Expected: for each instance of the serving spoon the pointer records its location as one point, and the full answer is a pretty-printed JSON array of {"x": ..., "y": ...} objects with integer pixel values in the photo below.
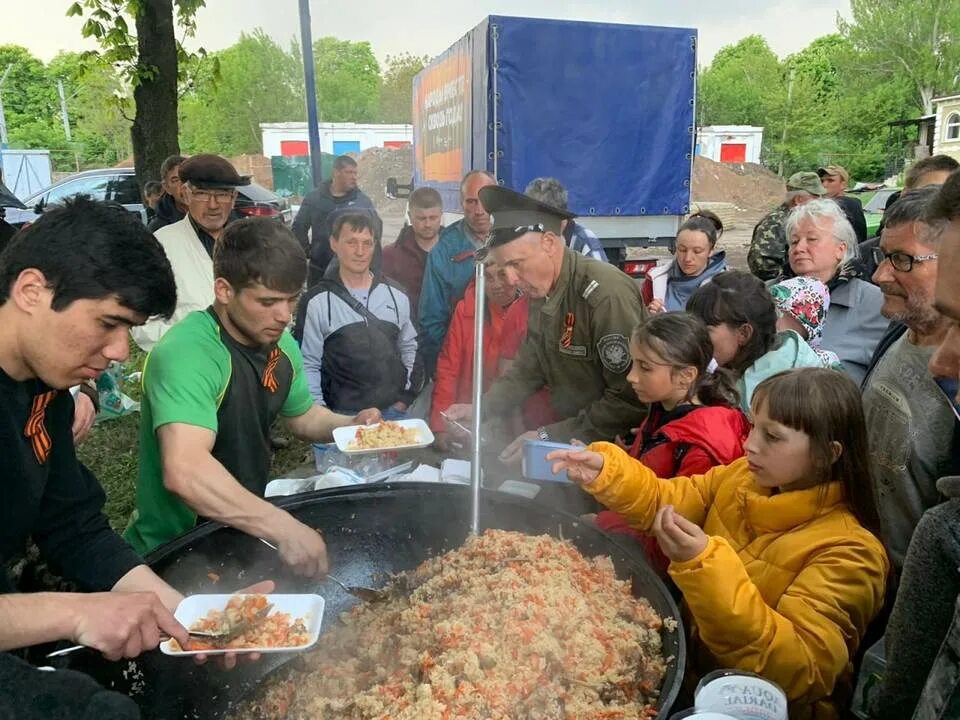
[{"x": 367, "y": 594}]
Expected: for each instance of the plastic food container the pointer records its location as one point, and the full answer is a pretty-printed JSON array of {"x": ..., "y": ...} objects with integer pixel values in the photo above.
[
  {"x": 741, "y": 695},
  {"x": 195, "y": 607},
  {"x": 344, "y": 437},
  {"x": 535, "y": 463}
]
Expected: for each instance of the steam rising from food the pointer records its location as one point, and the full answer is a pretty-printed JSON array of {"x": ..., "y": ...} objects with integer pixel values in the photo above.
[{"x": 508, "y": 626}]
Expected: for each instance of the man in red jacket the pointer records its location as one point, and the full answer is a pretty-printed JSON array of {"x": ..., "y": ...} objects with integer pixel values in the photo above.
[{"x": 404, "y": 260}]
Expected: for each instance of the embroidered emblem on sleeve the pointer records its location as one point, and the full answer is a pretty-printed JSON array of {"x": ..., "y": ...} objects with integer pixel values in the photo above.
[{"x": 614, "y": 351}]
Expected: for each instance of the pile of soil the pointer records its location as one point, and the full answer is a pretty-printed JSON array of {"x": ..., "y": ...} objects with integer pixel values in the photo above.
[
  {"x": 375, "y": 165},
  {"x": 747, "y": 185}
]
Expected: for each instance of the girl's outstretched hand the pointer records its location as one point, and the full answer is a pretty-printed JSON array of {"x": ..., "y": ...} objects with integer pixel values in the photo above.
[
  {"x": 582, "y": 466},
  {"x": 679, "y": 538}
]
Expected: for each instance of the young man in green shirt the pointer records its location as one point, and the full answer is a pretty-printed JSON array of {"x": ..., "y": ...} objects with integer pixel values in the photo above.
[{"x": 214, "y": 385}]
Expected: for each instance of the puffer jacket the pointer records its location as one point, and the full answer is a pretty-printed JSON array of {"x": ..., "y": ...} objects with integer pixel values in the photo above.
[
  {"x": 454, "y": 377},
  {"x": 786, "y": 586},
  {"x": 688, "y": 440}
]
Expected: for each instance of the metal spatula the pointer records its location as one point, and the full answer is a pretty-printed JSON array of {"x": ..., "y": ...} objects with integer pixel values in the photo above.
[{"x": 363, "y": 593}]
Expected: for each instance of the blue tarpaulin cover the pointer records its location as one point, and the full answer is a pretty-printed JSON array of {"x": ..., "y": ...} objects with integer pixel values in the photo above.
[{"x": 607, "y": 109}]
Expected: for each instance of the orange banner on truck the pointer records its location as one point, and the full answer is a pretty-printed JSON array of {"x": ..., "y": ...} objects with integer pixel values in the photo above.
[{"x": 441, "y": 117}]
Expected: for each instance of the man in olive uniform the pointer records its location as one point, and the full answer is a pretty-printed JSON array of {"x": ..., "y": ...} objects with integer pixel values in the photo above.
[
  {"x": 768, "y": 247},
  {"x": 582, "y": 313}
]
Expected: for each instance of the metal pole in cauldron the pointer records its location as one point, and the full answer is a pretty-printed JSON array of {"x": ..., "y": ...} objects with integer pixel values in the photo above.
[{"x": 475, "y": 473}]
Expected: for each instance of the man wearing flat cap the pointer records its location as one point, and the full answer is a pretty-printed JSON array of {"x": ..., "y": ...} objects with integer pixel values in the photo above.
[
  {"x": 582, "y": 313},
  {"x": 834, "y": 180},
  {"x": 209, "y": 189},
  {"x": 768, "y": 247}
]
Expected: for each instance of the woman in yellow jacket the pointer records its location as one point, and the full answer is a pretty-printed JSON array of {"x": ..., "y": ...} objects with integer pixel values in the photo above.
[{"x": 774, "y": 553}]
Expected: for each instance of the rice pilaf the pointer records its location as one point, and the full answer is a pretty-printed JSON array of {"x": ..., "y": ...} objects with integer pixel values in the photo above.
[{"x": 507, "y": 626}]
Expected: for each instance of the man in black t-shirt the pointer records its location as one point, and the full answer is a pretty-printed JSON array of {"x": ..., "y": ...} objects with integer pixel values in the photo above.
[{"x": 71, "y": 286}]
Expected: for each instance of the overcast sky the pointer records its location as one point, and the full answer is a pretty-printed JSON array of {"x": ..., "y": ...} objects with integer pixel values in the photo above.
[{"x": 429, "y": 26}]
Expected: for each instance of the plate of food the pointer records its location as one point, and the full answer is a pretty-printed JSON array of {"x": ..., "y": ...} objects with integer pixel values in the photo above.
[
  {"x": 386, "y": 435},
  {"x": 247, "y": 623}
]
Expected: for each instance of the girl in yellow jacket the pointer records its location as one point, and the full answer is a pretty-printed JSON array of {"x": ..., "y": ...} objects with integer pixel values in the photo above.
[{"x": 774, "y": 553}]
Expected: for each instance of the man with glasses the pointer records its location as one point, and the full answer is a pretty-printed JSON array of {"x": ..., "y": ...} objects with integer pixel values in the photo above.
[
  {"x": 910, "y": 421},
  {"x": 209, "y": 190}
]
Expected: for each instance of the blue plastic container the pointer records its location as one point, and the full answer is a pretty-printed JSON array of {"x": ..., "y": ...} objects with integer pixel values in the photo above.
[{"x": 535, "y": 463}]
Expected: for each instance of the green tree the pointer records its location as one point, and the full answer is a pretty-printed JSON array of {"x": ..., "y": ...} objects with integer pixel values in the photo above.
[
  {"x": 150, "y": 58},
  {"x": 396, "y": 93},
  {"x": 917, "y": 40},
  {"x": 258, "y": 82},
  {"x": 98, "y": 106},
  {"x": 348, "y": 80},
  {"x": 742, "y": 86},
  {"x": 27, "y": 94}
]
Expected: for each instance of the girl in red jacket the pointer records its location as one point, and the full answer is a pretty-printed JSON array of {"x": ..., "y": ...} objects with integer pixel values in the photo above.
[
  {"x": 694, "y": 422},
  {"x": 453, "y": 380}
]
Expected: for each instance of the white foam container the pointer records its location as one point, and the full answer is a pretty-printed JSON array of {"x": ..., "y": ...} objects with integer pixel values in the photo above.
[
  {"x": 195, "y": 607},
  {"x": 343, "y": 436}
]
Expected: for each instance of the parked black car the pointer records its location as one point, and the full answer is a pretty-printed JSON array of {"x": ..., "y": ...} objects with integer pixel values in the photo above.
[{"x": 119, "y": 185}]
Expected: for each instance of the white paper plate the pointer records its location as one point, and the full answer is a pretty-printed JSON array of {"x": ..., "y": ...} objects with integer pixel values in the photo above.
[
  {"x": 343, "y": 436},
  {"x": 195, "y": 607}
]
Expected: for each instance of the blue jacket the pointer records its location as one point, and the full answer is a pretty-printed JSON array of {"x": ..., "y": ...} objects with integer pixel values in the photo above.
[
  {"x": 450, "y": 266},
  {"x": 583, "y": 241}
]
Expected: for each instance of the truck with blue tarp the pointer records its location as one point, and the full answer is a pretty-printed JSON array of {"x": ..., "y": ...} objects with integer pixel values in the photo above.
[{"x": 607, "y": 109}]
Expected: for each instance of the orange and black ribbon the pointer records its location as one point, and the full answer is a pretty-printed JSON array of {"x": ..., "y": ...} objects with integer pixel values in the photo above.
[
  {"x": 269, "y": 372},
  {"x": 567, "y": 338},
  {"x": 36, "y": 430}
]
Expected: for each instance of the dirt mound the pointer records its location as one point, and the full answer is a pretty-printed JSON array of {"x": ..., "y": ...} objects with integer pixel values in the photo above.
[
  {"x": 746, "y": 185},
  {"x": 375, "y": 165}
]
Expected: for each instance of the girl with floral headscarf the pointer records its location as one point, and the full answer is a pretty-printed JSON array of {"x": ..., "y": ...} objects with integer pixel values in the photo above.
[{"x": 802, "y": 305}]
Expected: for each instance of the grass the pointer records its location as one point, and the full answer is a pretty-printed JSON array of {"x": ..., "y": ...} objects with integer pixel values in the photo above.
[{"x": 111, "y": 452}]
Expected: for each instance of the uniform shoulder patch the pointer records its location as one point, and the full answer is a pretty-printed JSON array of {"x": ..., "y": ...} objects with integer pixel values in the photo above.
[
  {"x": 614, "y": 351},
  {"x": 593, "y": 285}
]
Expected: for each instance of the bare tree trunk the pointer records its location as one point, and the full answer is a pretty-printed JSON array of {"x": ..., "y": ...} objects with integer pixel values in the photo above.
[{"x": 155, "y": 132}]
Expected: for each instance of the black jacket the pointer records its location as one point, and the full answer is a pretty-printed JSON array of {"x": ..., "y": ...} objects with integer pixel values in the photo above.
[
  {"x": 853, "y": 209},
  {"x": 167, "y": 213},
  {"x": 55, "y": 501},
  {"x": 317, "y": 214}
]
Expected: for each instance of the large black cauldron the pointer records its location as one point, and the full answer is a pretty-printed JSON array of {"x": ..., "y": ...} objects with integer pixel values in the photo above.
[{"x": 370, "y": 532}]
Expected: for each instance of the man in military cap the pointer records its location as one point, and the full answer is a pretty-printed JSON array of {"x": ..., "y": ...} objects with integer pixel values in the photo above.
[
  {"x": 834, "y": 179},
  {"x": 582, "y": 312},
  {"x": 209, "y": 190},
  {"x": 768, "y": 248}
]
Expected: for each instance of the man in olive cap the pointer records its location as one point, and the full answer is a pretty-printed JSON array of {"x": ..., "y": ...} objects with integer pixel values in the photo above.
[
  {"x": 834, "y": 179},
  {"x": 582, "y": 313},
  {"x": 209, "y": 190},
  {"x": 768, "y": 247}
]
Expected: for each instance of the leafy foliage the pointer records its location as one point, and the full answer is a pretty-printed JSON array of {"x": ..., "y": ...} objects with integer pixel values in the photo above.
[
  {"x": 348, "y": 80},
  {"x": 832, "y": 101},
  {"x": 396, "y": 97},
  {"x": 917, "y": 41},
  {"x": 258, "y": 82}
]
